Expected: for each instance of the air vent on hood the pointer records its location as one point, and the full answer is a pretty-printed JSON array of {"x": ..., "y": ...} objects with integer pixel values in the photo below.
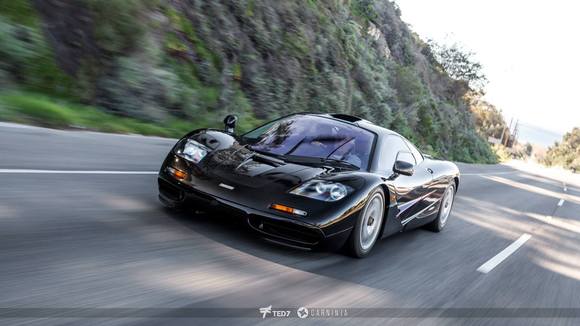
[{"x": 346, "y": 117}]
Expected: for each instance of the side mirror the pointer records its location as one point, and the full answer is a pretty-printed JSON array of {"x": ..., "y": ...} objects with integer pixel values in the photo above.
[
  {"x": 404, "y": 168},
  {"x": 403, "y": 163},
  {"x": 230, "y": 123}
]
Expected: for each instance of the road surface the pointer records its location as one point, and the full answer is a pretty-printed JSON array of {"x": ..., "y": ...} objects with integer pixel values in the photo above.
[{"x": 97, "y": 248}]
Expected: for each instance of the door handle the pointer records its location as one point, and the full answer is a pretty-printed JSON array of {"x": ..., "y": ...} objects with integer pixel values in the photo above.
[{"x": 429, "y": 170}]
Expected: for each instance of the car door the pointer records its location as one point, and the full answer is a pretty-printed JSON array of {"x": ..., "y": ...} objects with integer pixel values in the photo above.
[
  {"x": 412, "y": 191},
  {"x": 430, "y": 191}
]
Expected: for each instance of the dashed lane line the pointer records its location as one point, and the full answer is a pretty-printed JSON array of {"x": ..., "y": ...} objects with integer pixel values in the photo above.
[{"x": 489, "y": 265}]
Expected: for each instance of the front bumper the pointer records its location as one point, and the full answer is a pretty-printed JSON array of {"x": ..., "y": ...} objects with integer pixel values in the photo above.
[{"x": 275, "y": 228}]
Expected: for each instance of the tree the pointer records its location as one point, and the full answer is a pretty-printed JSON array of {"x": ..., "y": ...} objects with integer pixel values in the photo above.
[
  {"x": 459, "y": 64},
  {"x": 529, "y": 149},
  {"x": 566, "y": 153},
  {"x": 488, "y": 119}
]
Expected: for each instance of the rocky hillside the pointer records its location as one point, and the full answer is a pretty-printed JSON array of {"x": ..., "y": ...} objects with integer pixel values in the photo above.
[{"x": 196, "y": 60}]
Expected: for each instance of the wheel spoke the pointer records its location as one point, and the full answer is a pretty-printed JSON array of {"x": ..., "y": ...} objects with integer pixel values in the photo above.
[
  {"x": 447, "y": 202},
  {"x": 371, "y": 221}
]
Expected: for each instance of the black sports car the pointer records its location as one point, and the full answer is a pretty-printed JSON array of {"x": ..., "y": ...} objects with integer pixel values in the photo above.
[{"x": 312, "y": 180}]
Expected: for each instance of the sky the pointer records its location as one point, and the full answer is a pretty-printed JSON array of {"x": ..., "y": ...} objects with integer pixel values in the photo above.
[{"x": 530, "y": 51}]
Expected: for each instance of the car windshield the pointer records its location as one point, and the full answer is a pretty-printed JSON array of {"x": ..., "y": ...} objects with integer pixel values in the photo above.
[{"x": 313, "y": 137}]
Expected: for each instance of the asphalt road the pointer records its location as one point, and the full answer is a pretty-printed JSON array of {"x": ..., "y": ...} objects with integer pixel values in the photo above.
[{"x": 91, "y": 245}]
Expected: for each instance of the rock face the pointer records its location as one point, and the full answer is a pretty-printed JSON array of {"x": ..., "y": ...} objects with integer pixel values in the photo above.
[
  {"x": 68, "y": 26},
  {"x": 199, "y": 59}
]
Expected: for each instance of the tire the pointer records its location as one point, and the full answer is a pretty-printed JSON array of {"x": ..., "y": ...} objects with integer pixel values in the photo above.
[
  {"x": 444, "y": 210},
  {"x": 362, "y": 240}
]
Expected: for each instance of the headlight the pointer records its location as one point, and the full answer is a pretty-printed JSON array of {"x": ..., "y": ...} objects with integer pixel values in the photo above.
[
  {"x": 192, "y": 151},
  {"x": 322, "y": 190}
]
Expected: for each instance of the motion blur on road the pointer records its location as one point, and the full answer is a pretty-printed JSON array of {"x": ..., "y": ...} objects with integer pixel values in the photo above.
[
  {"x": 83, "y": 236},
  {"x": 85, "y": 240}
]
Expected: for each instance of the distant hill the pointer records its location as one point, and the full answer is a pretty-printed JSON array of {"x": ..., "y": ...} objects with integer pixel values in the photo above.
[{"x": 528, "y": 133}]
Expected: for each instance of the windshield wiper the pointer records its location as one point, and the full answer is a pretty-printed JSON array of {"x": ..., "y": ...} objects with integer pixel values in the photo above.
[
  {"x": 341, "y": 163},
  {"x": 263, "y": 152},
  {"x": 318, "y": 161}
]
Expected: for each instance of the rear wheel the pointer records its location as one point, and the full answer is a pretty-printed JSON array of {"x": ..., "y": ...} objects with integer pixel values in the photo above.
[
  {"x": 368, "y": 226},
  {"x": 444, "y": 210}
]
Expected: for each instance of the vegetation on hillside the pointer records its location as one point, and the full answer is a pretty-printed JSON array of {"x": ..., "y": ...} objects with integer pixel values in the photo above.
[
  {"x": 488, "y": 119},
  {"x": 179, "y": 64},
  {"x": 566, "y": 153},
  {"x": 460, "y": 64}
]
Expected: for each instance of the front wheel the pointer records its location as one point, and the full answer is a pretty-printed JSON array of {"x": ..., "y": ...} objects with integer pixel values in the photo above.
[
  {"x": 444, "y": 210},
  {"x": 368, "y": 226}
]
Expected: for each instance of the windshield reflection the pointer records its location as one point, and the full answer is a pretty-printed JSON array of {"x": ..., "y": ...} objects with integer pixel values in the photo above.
[{"x": 313, "y": 137}]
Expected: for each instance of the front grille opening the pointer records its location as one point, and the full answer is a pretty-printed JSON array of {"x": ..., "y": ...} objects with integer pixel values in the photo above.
[
  {"x": 285, "y": 230},
  {"x": 170, "y": 191},
  {"x": 202, "y": 196}
]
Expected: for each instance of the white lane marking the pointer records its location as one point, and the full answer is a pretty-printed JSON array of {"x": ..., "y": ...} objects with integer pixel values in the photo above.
[
  {"x": 24, "y": 171},
  {"x": 489, "y": 265},
  {"x": 561, "y": 202},
  {"x": 489, "y": 173},
  {"x": 80, "y": 131},
  {"x": 565, "y": 187},
  {"x": 16, "y": 125}
]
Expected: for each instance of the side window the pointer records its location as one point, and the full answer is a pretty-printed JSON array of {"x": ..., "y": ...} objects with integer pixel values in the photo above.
[
  {"x": 418, "y": 156},
  {"x": 390, "y": 147}
]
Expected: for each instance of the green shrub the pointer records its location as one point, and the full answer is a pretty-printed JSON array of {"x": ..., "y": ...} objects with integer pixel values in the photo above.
[
  {"x": 119, "y": 24},
  {"x": 38, "y": 109},
  {"x": 566, "y": 153},
  {"x": 46, "y": 111},
  {"x": 140, "y": 90},
  {"x": 364, "y": 9},
  {"x": 410, "y": 88},
  {"x": 19, "y": 11},
  {"x": 26, "y": 57}
]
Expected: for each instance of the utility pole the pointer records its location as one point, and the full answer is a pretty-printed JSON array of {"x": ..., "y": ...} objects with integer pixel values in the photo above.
[
  {"x": 516, "y": 130},
  {"x": 503, "y": 133}
]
